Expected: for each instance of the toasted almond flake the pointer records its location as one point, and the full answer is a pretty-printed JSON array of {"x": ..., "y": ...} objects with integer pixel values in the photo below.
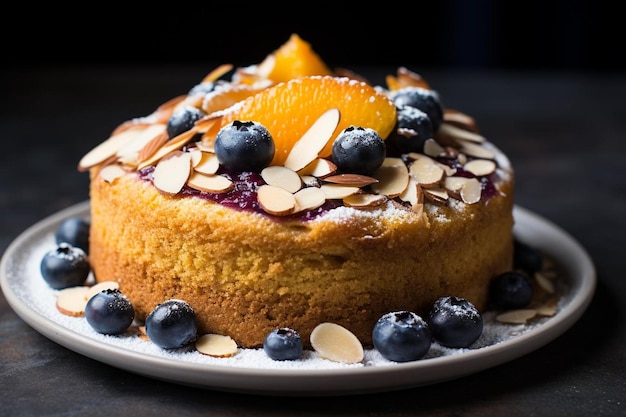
[
  {"x": 432, "y": 148},
  {"x": 111, "y": 172},
  {"x": 308, "y": 147},
  {"x": 196, "y": 156},
  {"x": 309, "y": 198},
  {"x": 478, "y": 151},
  {"x": 217, "y": 73},
  {"x": 480, "y": 167},
  {"x": 172, "y": 145},
  {"x": 455, "y": 184},
  {"x": 163, "y": 113},
  {"x": 392, "y": 176},
  {"x": 426, "y": 171},
  {"x": 520, "y": 316},
  {"x": 205, "y": 146},
  {"x": 436, "y": 195},
  {"x": 282, "y": 177},
  {"x": 151, "y": 147},
  {"x": 460, "y": 120},
  {"x": 209, "y": 183},
  {"x": 364, "y": 200},
  {"x": 338, "y": 191},
  {"x": 129, "y": 153},
  {"x": 109, "y": 147},
  {"x": 548, "y": 309},
  {"x": 453, "y": 134},
  {"x": 310, "y": 180},
  {"x": 208, "y": 164},
  {"x": 216, "y": 345},
  {"x": 544, "y": 282},
  {"x": 276, "y": 200},
  {"x": 471, "y": 191},
  {"x": 142, "y": 334},
  {"x": 406, "y": 78},
  {"x": 413, "y": 193},
  {"x": 71, "y": 301},
  {"x": 351, "y": 179},
  {"x": 172, "y": 172},
  {"x": 101, "y": 286},
  {"x": 320, "y": 168},
  {"x": 336, "y": 343}
]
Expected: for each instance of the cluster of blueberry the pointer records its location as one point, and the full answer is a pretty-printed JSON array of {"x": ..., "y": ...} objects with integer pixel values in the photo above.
[{"x": 398, "y": 336}]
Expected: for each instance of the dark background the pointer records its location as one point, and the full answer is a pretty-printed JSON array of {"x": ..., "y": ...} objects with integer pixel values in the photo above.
[{"x": 577, "y": 35}]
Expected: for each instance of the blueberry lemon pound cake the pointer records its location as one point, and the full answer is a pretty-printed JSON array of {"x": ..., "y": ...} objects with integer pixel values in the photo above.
[{"x": 287, "y": 194}]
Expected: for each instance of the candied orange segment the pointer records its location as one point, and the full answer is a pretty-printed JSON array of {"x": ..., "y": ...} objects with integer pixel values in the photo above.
[
  {"x": 289, "y": 109},
  {"x": 294, "y": 59}
]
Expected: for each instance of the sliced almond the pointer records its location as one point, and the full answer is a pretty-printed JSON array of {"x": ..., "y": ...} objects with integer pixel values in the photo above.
[
  {"x": 351, "y": 179},
  {"x": 72, "y": 301},
  {"x": 471, "y": 191},
  {"x": 209, "y": 183},
  {"x": 111, "y": 172},
  {"x": 426, "y": 171},
  {"x": 476, "y": 150},
  {"x": 208, "y": 164},
  {"x": 109, "y": 147},
  {"x": 544, "y": 283},
  {"x": 455, "y": 184},
  {"x": 308, "y": 147},
  {"x": 364, "y": 200},
  {"x": 196, "y": 156},
  {"x": 450, "y": 133},
  {"x": 480, "y": 167},
  {"x": 276, "y": 200},
  {"x": 142, "y": 334},
  {"x": 336, "y": 343},
  {"x": 520, "y": 316},
  {"x": 172, "y": 145},
  {"x": 413, "y": 193},
  {"x": 320, "y": 168},
  {"x": 392, "y": 176},
  {"x": 309, "y": 198},
  {"x": 433, "y": 148},
  {"x": 282, "y": 177},
  {"x": 152, "y": 146},
  {"x": 129, "y": 153},
  {"x": 437, "y": 195},
  {"x": 172, "y": 172},
  {"x": 216, "y": 345},
  {"x": 101, "y": 286},
  {"x": 549, "y": 308},
  {"x": 310, "y": 181},
  {"x": 217, "y": 73},
  {"x": 460, "y": 119},
  {"x": 338, "y": 191}
]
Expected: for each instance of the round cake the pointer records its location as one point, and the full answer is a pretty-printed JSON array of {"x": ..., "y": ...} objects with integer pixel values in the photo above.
[{"x": 315, "y": 224}]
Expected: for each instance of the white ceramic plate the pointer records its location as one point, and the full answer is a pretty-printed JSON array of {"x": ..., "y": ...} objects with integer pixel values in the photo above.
[{"x": 33, "y": 301}]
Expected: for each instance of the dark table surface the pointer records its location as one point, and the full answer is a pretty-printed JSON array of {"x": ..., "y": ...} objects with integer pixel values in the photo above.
[{"x": 564, "y": 132}]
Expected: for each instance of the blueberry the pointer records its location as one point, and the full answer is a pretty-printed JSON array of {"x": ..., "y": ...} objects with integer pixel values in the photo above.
[
  {"x": 401, "y": 336},
  {"x": 412, "y": 129},
  {"x": 75, "y": 231},
  {"x": 424, "y": 99},
  {"x": 283, "y": 344},
  {"x": 172, "y": 324},
  {"x": 510, "y": 290},
  {"x": 527, "y": 258},
  {"x": 65, "y": 266},
  {"x": 109, "y": 312},
  {"x": 358, "y": 150},
  {"x": 244, "y": 146},
  {"x": 455, "y": 322},
  {"x": 182, "y": 120}
]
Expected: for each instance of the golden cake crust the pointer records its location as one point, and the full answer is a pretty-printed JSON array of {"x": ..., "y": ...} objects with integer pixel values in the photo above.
[{"x": 246, "y": 274}]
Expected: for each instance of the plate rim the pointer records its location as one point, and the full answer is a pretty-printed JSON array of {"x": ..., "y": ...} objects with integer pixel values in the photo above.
[{"x": 322, "y": 382}]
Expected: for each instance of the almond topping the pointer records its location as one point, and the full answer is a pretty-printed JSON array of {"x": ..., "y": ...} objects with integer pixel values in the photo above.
[
  {"x": 471, "y": 191},
  {"x": 309, "y": 198},
  {"x": 151, "y": 147},
  {"x": 338, "y": 191},
  {"x": 172, "y": 172},
  {"x": 308, "y": 147},
  {"x": 196, "y": 156},
  {"x": 544, "y": 282},
  {"x": 129, "y": 153},
  {"x": 460, "y": 119},
  {"x": 217, "y": 73},
  {"x": 436, "y": 195},
  {"x": 72, "y": 301},
  {"x": 364, "y": 200},
  {"x": 480, "y": 167},
  {"x": 276, "y": 200},
  {"x": 351, "y": 179},
  {"x": 392, "y": 176},
  {"x": 111, "y": 172},
  {"x": 209, "y": 183},
  {"x": 413, "y": 193},
  {"x": 434, "y": 149},
  {"x": 473, "y": 149},
  {"x": 426, "y": 171},
  {"x": 336, "y": 343},
  {"x": 109, "y": 147},
  {"x": 216, "y": 345},
  {"x": 173, "y": 144},
  {"x": 454, "y": 134},
  {"x": 319, "y": 168},
  {"x": 282, "y": 177},
  {"x": 208, "y": 164},
  {"x": 520, "y": 316}
]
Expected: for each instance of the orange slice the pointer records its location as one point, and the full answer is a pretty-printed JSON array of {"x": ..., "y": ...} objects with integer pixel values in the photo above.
[
  {"x": 289, "y": 109},
  {"x": 294, "y": 59}
]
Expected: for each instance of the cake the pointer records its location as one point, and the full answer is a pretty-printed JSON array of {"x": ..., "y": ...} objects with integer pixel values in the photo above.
[{"x": 307, "y": 236}]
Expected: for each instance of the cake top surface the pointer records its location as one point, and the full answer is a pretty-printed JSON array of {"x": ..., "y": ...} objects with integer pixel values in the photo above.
[{"x": 301, "y": 139}]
